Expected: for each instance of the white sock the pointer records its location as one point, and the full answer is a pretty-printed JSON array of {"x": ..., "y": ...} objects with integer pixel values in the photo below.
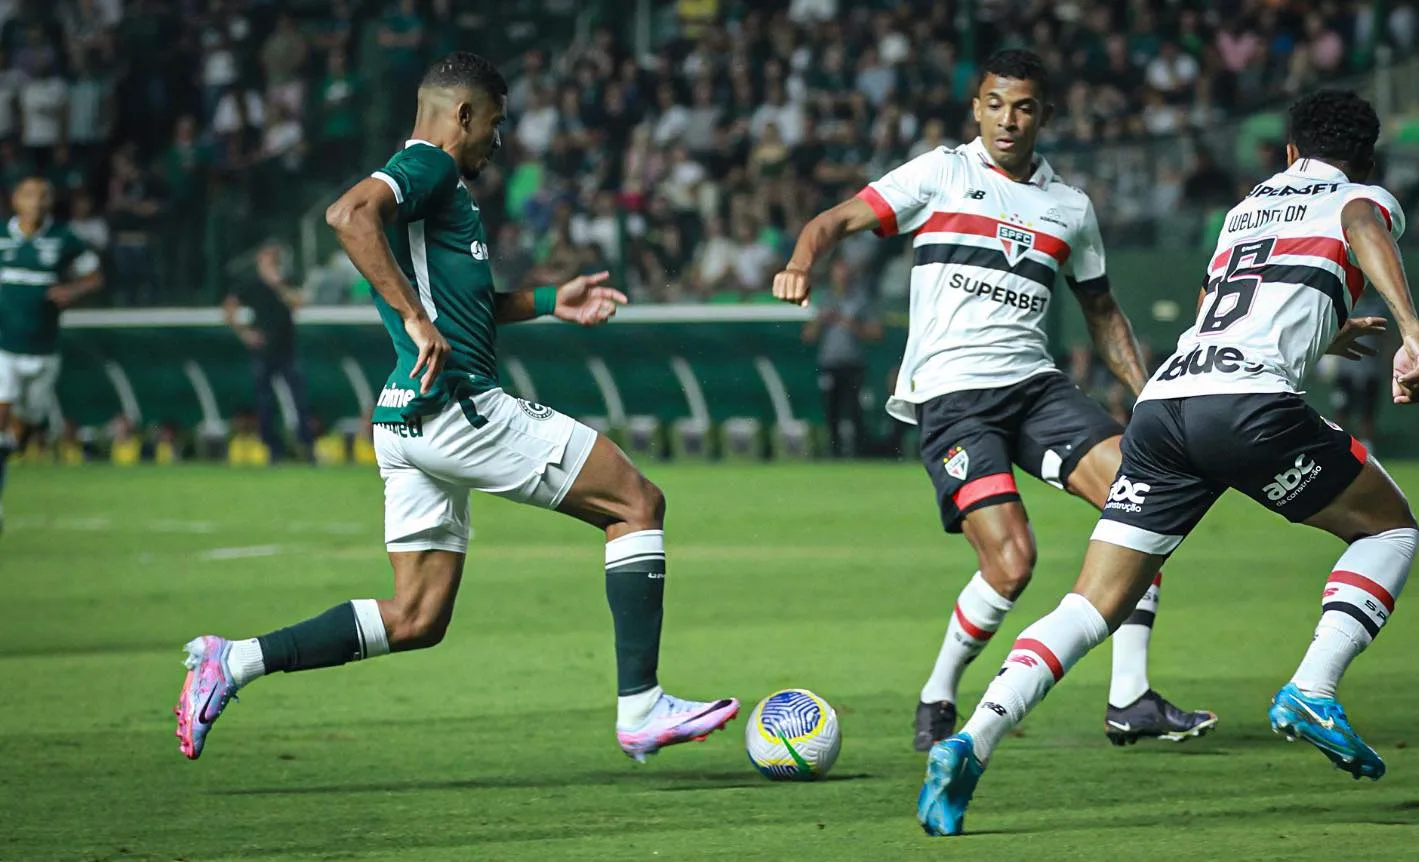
[
  {"x": 1041, "y": 656},
  {"x": 1358, "y": 599},
  {"x": 1129, "y": 680},
  {"x": 244, "y": 661},
  {"x": 374, "y": 640},
  {"x": 978, "y": 614},
  {"x": 633, "y": 709}
]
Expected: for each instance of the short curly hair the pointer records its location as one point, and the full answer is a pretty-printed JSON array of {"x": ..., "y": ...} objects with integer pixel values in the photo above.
[
  {"x": 1021, "y": 64},
  {"x": 464, "y": 69},
  {"x": 1337, "y": 126}
]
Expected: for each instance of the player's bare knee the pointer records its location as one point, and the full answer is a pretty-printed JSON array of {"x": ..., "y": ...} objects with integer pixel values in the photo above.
[
  {"x": 411, "y": 626},
  {"x": 1010, "y": 565},
  {"x": 645, "y": 506}
]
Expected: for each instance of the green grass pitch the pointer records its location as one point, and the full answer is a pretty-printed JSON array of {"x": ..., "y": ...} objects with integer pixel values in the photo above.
[{"x": 498, "y": 744}]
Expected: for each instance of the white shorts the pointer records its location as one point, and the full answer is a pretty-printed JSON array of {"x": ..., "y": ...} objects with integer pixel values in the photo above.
[
  {"x": 524, "y": 452},
  {"x": 27, "y": 384}
]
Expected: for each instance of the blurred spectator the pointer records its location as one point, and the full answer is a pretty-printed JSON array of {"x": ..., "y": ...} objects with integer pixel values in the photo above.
[
  {"x": 87, "y": 224},
  {"x": 537, "y": 126},
  {"x": 842, "y": 322},
  {"x": 335, "y": 32},
  {"x": 1208, "y": 185},
  {"x": 1172, "y": 73},
  {"x": 338, "y": 112},
  {"x": 270, "y": 338},
  {"x": 132, "y": 209},
  {"x": 1360, "y": 384},
  {"x": 11, "y": 80},
  {"x": 44, "y": 110},
  {"x": 91, "y": 106},
  {"x": 66, "y": 175},
  {"x": 282, "y": 58},
  {"x": 401, "y": 35}
]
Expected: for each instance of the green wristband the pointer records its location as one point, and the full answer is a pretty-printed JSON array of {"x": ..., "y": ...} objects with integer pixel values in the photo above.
[{"x": 544, "y": 301}]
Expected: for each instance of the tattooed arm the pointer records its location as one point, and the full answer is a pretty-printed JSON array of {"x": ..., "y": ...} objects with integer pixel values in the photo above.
[{"x": 1111, "y": 332}]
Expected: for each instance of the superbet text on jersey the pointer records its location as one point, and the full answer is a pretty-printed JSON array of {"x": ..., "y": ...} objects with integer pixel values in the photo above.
[
  {"x": 1280, "y": 285},
  {"x": 988, "y": 253}
]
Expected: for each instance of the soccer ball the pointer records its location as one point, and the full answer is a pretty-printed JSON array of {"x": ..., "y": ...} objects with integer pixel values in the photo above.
[{"x": 793, "y": 735}]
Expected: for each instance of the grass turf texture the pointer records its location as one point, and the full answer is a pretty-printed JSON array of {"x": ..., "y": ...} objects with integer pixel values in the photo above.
[{"x": 498, "y": 744}]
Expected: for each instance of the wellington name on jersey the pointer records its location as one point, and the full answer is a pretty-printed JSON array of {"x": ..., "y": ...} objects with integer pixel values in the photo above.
[
  {"x": 988, "y": 254},
  {"x": 1280, "y": 285}
]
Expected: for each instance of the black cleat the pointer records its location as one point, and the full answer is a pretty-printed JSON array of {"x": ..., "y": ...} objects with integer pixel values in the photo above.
[
  {"x": 1152, "y": 717},
  {"x": 934, "y": 722}
]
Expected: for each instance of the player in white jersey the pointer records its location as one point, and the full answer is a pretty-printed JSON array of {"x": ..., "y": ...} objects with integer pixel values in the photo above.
[
  {"x": 994, "y": 228},
  {"x": 1225, "y": 412}
]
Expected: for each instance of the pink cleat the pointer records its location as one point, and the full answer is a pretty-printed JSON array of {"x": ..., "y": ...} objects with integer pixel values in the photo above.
[
  {"x": 673, "y": 721},
  {"x": 208, "y": 689}
]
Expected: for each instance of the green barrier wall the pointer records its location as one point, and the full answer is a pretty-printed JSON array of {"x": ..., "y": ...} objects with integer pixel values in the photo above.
[{"x": 719, "y": 350}]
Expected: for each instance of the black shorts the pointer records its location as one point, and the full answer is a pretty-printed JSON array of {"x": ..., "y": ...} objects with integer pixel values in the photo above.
[
  {"x": 1180, "y": 454},
  {"x": 971, "y": 439}
]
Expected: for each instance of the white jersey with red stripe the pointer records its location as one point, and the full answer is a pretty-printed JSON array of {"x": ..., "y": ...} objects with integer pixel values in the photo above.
[
  {"x": 988, "y": 253},
  {"x": 1280, "y": 285}
]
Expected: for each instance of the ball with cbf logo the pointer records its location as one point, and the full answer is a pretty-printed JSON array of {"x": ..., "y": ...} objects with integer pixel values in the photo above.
[{"x": 793, "y": 735}]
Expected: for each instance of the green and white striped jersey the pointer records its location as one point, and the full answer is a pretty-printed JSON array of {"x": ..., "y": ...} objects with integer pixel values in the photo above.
[
  {"x": 438, "y": 241},
  {"x": 29, "y": 267}
]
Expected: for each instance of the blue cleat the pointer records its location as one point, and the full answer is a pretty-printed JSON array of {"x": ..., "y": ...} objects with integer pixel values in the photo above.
[
  {"x": 1321, "y": 721},
  {"x": 952, "y": 772}
]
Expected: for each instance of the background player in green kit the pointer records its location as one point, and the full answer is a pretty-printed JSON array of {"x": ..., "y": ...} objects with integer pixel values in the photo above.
[
  {"x": 44, "y": 268},
  {"x": 443, "y": 426}
]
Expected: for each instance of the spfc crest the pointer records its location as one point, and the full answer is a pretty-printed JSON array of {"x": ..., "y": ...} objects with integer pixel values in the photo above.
[
  {"x": 1015, "y": 241},
  {"x": 957, "y": 463}
]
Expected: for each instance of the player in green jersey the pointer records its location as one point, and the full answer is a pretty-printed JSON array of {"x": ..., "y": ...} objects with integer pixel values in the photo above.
[
  {"x": 44, "y": 268},
  {"x": 444, "y": 426}
]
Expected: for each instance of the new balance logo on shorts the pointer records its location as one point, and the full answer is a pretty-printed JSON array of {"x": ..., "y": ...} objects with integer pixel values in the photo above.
[
  {"x": 1127, "y": 496},
  {"x": 1292, "y": 482}
]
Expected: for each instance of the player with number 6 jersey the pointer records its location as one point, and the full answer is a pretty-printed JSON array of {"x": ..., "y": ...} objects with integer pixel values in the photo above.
[
  {"x": 1225, "y": 411},
  {"x": 994, "y": 229}
]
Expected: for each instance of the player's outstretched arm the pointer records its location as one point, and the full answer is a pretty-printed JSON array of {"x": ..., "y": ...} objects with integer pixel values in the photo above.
[
  {"x": 586, "y": 300},
  {"x": 1368, "y": 234},
  {"x": 824, "y": 231},
  {"x": 358, "y": 219},
  {"x": 1111, "y": 332}
]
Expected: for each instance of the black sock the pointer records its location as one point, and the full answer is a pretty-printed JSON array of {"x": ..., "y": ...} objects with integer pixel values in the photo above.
[
  {"x": 635, "y": 589},
  {"x": 330, "y": 639}
]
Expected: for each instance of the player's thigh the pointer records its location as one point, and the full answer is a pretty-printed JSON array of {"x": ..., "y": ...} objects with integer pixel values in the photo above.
[
  {"x": 1160, "y": 493},
  {"x": 505, "y": 446},
  {"x": 422, "y": 511},
  {"x": 11, "y": 380},
  {"x": 966, "y": 451},
  {"x": 611, "y": 493},
  {"x": 1065, "y": 437},
  {"x": 1372, "y": 503},
  {"x": 1278, "y": 450},
  {"x": 37, "y": 389}
]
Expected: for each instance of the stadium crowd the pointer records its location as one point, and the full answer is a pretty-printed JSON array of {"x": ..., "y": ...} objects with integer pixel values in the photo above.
[{"x": 690, "y": 166}]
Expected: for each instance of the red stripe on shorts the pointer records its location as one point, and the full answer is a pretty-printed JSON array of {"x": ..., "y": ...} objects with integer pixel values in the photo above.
[
  {"x": 1363, "y": 583},
  {"x": 1358, "y": 450},
  {"x": 986, "y": 486}
]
